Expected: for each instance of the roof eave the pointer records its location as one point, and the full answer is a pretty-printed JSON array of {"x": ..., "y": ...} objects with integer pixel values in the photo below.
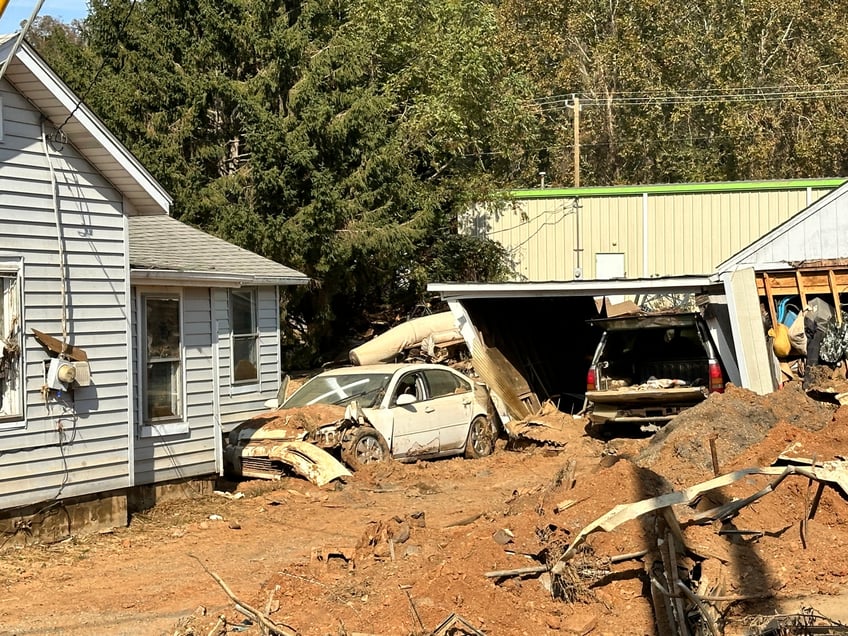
[
  {"x": 92, "y": 125},
  {"x": 179, "y": 278},
  {"x": 679, "y": 284}
]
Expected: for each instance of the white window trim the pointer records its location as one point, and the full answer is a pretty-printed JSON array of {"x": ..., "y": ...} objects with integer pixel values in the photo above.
[
  {"x": 15, "y": 266},
  {"x": 178, "y": 425},
  {"x": 240, "y": 387},
  {"x": 2, "y": 118}
]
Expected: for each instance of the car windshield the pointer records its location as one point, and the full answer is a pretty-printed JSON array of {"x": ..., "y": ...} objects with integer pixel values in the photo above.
[{"x": 341, "y": 389}]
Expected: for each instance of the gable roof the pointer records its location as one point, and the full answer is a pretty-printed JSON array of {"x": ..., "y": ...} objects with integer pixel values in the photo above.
[
  {"x": 39, "y": 84},
  {"x": 818, "y": 232},
  {"x": 162, "y": 249}
]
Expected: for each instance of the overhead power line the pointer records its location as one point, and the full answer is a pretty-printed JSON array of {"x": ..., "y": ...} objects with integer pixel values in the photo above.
[{"x": 698, "y": 96}]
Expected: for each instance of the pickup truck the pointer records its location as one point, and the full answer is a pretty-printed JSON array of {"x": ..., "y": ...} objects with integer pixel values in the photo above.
[{"x": 648, "y": 368}]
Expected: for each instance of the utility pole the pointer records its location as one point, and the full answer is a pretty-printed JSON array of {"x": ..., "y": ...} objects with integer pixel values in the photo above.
[
  {"x": 576, "y": 141},
  {"x": 578, "y": 249}
]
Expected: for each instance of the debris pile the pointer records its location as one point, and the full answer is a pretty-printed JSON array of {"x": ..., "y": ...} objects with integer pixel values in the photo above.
[{"x": 655, "y": 535}]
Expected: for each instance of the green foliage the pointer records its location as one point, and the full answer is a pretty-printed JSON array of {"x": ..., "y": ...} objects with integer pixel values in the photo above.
[
  {"x": 339, "y": 138},
  {"x": 609, "y": 51},
  {"x": 344, "y": 138}
]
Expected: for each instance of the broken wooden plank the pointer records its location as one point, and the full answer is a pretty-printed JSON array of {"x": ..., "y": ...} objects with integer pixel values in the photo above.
[
  {"x": 498, "y": 574},
  {"x": 834, "y": 473},
  {"x": 834, "y": 289},
  {"x": 769, "y": 298},
  {"x": 58, "y": 347},
  {"x": 799, "y": 283}
]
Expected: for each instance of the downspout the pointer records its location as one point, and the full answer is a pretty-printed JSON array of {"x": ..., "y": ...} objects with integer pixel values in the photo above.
[
  {"x": 646, "y": 240},
  {"x": 54, "y": 188}
]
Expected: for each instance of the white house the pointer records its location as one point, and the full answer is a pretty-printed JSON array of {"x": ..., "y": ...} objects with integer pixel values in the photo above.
[{"x": 178, "y": 330}]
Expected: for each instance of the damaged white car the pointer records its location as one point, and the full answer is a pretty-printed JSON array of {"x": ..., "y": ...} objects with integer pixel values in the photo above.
[{"x": 367, "y": 414}]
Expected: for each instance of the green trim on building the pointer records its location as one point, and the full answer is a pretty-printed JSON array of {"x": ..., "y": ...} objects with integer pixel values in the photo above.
[{"x": 679, "y": 188}]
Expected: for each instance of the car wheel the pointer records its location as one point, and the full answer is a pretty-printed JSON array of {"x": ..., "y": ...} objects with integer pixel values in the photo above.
[
  {"x": 481, "y": 438},
  {"x": 365, "y": 446}
]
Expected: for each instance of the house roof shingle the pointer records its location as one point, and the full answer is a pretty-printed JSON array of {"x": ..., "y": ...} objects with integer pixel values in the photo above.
[{"x": 164, "y": 244}]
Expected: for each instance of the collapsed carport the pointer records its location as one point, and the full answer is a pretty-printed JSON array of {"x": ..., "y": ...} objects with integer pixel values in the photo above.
[{"x": 532, "y": 341}]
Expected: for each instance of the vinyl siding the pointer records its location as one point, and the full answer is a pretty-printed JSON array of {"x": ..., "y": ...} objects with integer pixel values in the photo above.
[
  {"x": 240, "y": 401},
  {"x": 37, "y": 462},
  {"x": 189, "y": 454}
]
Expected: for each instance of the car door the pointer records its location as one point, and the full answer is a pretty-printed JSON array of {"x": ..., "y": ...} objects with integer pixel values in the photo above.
[
  {"x": 414, "y": 432},
  {"x": 449, "y": 406}
]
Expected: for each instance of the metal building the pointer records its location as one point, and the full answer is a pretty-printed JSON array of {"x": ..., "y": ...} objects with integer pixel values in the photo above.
[{"x": 637, "y": 231}]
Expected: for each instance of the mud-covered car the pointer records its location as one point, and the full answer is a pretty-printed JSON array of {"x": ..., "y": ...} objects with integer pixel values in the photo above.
[{"x": 367, "y": 414}]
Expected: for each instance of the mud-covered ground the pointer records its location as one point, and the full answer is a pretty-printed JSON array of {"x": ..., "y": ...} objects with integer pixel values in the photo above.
[{"x": 399, "y": 548}]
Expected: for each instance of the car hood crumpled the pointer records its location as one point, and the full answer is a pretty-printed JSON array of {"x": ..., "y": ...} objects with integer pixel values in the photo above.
[{"x": 289, "y": 424}]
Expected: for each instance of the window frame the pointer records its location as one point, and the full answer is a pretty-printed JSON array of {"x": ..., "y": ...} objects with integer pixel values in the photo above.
[
  {"x": 253, "y": 335},
  {"x": 163, "y": 425},
  {"x": 12, "y": 268}
]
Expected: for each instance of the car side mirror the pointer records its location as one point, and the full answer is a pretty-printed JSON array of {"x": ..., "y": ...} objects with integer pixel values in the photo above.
[
  {"x": 277, "y": 402},
  {"x": 405, "y": 398}
]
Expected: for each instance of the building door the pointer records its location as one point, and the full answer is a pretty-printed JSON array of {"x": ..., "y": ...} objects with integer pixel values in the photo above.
[{"x": 609, "y": 265}]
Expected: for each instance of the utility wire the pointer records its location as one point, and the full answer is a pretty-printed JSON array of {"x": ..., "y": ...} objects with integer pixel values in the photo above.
[
  {"x": 699, "y": 96},
  {"x": 100, "y": 68}
]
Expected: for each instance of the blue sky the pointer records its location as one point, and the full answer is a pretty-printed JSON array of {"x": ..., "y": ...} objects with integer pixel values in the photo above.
[{"x": 19, "y": 10}]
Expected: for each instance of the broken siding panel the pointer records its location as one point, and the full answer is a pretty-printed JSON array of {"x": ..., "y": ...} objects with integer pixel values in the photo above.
[{"x": 28, "y": 231}]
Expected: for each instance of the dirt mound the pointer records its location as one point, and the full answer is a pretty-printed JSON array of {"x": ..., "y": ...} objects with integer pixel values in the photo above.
[
  {"x": 738, "y": 419},
  {"x": 304, "y": 418},
  {"x": 398, "y": 548}
]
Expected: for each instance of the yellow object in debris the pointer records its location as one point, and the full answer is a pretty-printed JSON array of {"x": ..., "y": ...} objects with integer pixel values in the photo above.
[{"x": 781, "y": 344}]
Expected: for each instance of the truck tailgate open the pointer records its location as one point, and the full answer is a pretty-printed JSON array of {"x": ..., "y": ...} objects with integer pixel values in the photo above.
[{"x": 689, "y": 394}]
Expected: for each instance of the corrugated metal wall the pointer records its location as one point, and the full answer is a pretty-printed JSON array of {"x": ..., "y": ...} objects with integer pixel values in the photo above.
[{"x": 659, "y": 233}]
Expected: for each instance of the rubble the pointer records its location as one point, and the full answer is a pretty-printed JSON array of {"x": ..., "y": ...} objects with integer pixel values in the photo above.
[{"x": 737, "y": 556}]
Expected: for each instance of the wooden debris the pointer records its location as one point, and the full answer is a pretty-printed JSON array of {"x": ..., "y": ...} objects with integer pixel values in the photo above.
[
  {"x": 414, "y": 610},
  {"x": 834, "y": 473},
  {"x": 58, "y": 347},
  {"x": 456, "y": 625},
  {"x": 499, "y": 574},
  {"x": 268, "y": 625},
  {"x": 466, "y": 521}
]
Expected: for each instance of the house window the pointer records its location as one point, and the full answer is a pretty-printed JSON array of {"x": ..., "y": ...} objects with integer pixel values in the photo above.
[
  {"x": 245, "y": 334},
  {"x": 10, "y": 346},
  {"x": 163, "y": 383}
]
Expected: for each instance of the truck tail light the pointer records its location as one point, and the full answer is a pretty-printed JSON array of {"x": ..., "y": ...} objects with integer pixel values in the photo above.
[
  {"x": 590, "y": 379},
  {"x": 716, "y": 378}
]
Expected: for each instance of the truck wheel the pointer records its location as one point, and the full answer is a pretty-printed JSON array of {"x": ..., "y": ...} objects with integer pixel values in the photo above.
[
  {"x": 481, "y": 438},
  {"x": 365, "y": 446}
]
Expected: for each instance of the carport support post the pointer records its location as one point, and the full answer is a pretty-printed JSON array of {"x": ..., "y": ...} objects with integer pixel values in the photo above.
[{"x": 752, "y": 353}]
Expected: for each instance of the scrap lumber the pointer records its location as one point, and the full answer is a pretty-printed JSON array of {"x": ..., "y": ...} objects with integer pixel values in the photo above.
[
  {"x": 268, "y": 625},
  {"x": 58, "y": 347}
]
